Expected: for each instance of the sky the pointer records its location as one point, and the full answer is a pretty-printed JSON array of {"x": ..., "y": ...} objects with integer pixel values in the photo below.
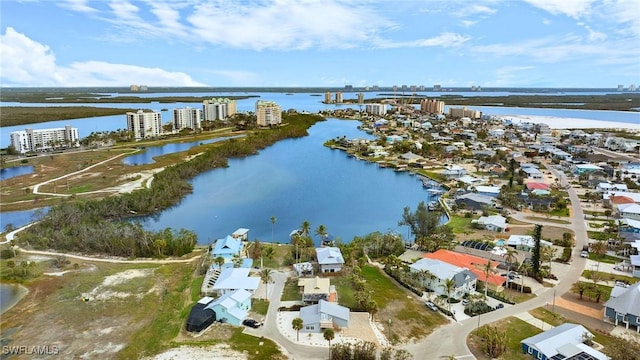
[{"x": 325, "y": 43}]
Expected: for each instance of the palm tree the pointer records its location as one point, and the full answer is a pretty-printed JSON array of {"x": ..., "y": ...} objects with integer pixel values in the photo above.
[
  {"x": 448, "y": 286},
  {"x": 219, "y": 261},
  {"x": 525, "y": 268},
  {"x": 265, "y": 276},
  {"x": 273, "y": 225},
  {"x": 509, "y": 257},
  {"x": 599, "y": 248},
  {"x": 580, "y": 287},
  {"x": 305, "y": 229},
  {"x": 328, "y": 335},
  {"x": 297, "y": 325},
  {"x": 322, "y": 232},
  {"x": 487, "y": 269}
]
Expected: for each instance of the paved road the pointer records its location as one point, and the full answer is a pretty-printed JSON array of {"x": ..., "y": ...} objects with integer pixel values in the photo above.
[
  {"x": 270, "y": 328},
  {"x": 451, "y": 339}
]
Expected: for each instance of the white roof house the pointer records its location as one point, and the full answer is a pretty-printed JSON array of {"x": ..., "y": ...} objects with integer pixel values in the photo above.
[
  {"x": 231, "y": 279},
  {"x": 565, "y": 340},
  {"x": 465, "y": 280},
  {"x": 496, "y": 223},
  {"x": 329, "y": 259},
  {"x": 524, "y": 242}
]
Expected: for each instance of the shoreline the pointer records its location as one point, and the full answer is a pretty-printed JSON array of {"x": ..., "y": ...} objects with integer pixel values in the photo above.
[{"x": 23, "y": 291}]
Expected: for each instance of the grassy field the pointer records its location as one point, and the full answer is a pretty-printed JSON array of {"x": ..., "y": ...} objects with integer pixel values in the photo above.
[
  {"x": 611, "y": 277},
  {"x": 460, "y": 224},
  {"x": 515, "y": 329},
  {"x": 410, "y": 318},
  {"x": 260, "y": 306},
  {"x": 588, "y": 294},
  {"x": 547, "y": 219},
  {"x": 14, "y": 115},
  {"x": 290, "y": 291}
]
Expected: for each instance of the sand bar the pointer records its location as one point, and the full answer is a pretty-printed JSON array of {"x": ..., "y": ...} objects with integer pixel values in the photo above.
[{"x": 571, "y": 123}]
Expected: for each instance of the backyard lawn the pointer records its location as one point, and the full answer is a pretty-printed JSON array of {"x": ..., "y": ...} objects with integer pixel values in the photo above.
[{"x": 516, "y": 331}]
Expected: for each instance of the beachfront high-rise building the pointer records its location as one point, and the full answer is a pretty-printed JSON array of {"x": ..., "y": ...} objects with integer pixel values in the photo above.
[
  {"x": 339, "y": 97},
  {"x": 30, "y": 140},
  {"x": 620, "y": 87},
  {"x": 187, "y": 118},
  {"x": 218, "y": 109},
  {"x": 327, "y": 97},
  {"x": 432, "y": 106},
  {"x": 458, "y": 113},
  {"x": 268, "y": 113},
  {"x": 144, "y": 124},
  {"x": 376, "y": 109},
  {"x": 360, "y": 98}
]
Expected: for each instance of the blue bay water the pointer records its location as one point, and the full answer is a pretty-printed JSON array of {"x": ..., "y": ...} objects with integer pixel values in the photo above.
[{"x": 296, "y": 180}]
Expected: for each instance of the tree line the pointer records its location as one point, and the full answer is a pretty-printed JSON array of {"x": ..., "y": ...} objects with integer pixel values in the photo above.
[{"x": 102, "y": 226}]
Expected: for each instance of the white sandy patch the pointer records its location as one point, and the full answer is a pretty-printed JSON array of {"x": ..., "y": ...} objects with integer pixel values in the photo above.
[
  {"x": 101, "y": 292},
  {"x": 109, "y": 348},
  {"x": 39, "y": 258},
  {"x": 57, "y": 273},
  {"x": 146, "y": 177},
  {"x": 220, "y": 351},
  {"x": 571, "y": 123}
]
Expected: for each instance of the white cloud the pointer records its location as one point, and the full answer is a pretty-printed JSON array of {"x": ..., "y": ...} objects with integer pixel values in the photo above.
[
  {"x": 124, "y": 10},
  {"x": 546, "y": 21},
  {"x": 572, "y": 8},
  {"x": 475, "y": 10},
  {"x": 442, "y": 40},
  {"x": 287, "y": 25},
  {"x": 77, "y": 5},
  {"x": 26, "y": 62}
]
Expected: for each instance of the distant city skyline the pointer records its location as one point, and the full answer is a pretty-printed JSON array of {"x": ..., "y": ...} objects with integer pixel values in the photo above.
[{"x": 330, "y": 43}]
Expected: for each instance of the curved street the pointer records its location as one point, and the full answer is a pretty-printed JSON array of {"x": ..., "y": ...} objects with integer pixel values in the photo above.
[{"x": 452, "y": 339}]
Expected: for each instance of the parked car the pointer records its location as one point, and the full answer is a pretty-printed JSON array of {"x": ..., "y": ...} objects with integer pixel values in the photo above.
[
  {"x": 251, "y": 323},
  {"x": 499, "y": 306},
  {"x": 584, "y": 254},
  {"x": 431, "y": 305},
  {"x": 465, "y": 302}
]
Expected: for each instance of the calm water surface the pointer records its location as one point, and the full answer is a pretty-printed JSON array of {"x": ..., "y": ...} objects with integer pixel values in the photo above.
[
  {"x": 8, "y": 173},
  {"x": 10, "y": 294},
  {"x": 151, "y": 152},
  {"x": 296, "y": 180}
]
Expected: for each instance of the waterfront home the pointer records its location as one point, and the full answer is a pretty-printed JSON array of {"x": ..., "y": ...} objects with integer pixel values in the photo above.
[
  {"x": 524, "y": 242},
  {"x": 496, "y": 223},
  {"x": 492, "y": 190},
  {"x": 410, "y": 157},
  {"x": 565, "y": 341},
  {"x": 454, "y": 172},
  {"x": 233, "y": 307},
  {"x": 324, "y": 315},
  {"x": 227, "y": 248},
  {"x": 475, "y": 265},
  {"x": 241, "y": 234},
  {"x": 329, "y": 259},
  {"x": 438, "y": 272},
  {"x": 231, "y": 279},
  {"x": 474, "y": 202},
  {"x": 470, "y": 180},
  {"x": 315, "y": 289}
]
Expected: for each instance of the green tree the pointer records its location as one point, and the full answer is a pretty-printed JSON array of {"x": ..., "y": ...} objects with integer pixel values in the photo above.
[
  {"x": 422, "y": 223},
  {"x": 219, "y": 261},
  {"x": 265, "y": 277},
  {"x": 535, "y": 253},
  {"x": 599, "y": 248},
  {"x": 322, "y": 232},
  {"x": 297, "y": 325},
  {"x": 495, "y": 341},
  {"x": 580, "y": 287},
  {"x": 448, "y": 286},
  {"x": 328, "y": 335},
  {"x": 510, "y": 258}
]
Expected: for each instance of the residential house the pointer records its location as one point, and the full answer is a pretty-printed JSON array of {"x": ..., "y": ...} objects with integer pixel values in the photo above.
[
  {"x": 200, "y": 317},
  {"x": 227, "y": 248},
  {"x": 303, "y": 269},
  {"x": 624, "y": 308},
  {"x": 475, "y": 264},
  {"x": 524, "y": 242},
  {"x": 473, "y": 201},
  {"x": 315, "y": 289},
  {"x": 533, "y": 173},
  {"x": 565, "y": 341},
  {"x": 324, "y": 315},
  {"x": 605, "y": 186},
  {"x": 232, "y": 279},
  {"x": 470, "y": 180},
  {"x": 233, "y": 306},
  {"x": 534, "y": 185},
  {"x": 454, "y": 172},
  {"x": 495, "y": 223},
  {"x": 585, "y": 168},
  {"x": 241, "y": 234},
  {"x": 439, "y": 271},
  {"x": 629, "y": 211},
  {"x": 492, "y": 191},
  {"x": 629, "y": 226},
  {"x": 329, "y": 259}
]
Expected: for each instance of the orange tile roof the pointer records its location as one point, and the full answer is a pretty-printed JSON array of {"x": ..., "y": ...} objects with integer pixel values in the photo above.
[
  {"x": 475, "y": 264},
  {"x": 621, "y": 199}
]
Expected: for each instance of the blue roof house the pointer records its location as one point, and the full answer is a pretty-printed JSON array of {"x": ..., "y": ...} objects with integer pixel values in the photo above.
[
  {"x": 561, "y": 342},
  {"x": 227, "y": 248},
  {"x": 323, "y": 315},
  {"x": 233, "y": 306},
  {"x": 624, "y": 309}
]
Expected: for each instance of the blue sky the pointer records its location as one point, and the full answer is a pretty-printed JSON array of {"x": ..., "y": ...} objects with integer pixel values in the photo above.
[{"x": 327, "y": 43}]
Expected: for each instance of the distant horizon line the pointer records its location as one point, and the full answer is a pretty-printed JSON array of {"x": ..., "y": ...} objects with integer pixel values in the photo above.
[{"x": 474, "y": 88}]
